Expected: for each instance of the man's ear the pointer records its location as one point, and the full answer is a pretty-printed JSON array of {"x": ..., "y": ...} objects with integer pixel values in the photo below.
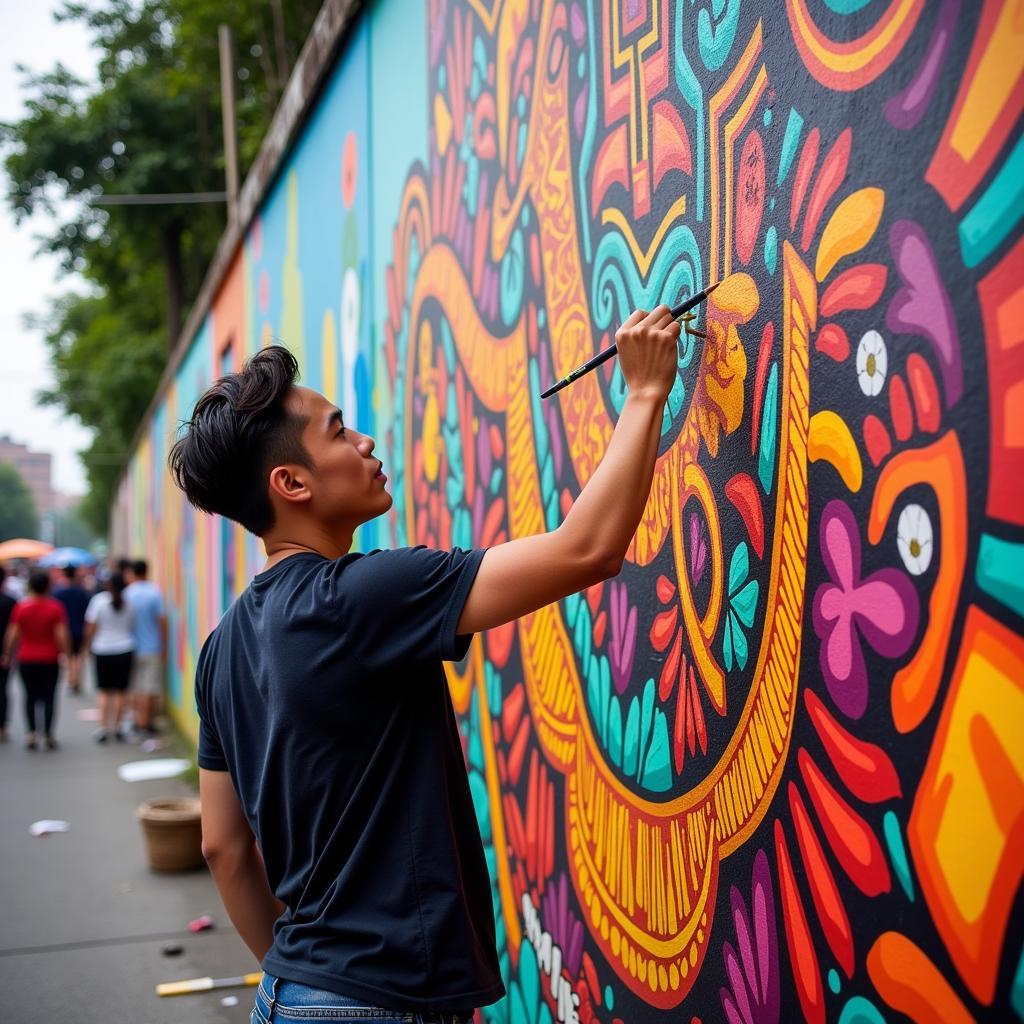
[{"x": 290, "y": 483}]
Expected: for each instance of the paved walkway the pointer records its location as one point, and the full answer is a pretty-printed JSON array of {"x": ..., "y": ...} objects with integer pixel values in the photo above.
[{"x": 82, "y": 918}]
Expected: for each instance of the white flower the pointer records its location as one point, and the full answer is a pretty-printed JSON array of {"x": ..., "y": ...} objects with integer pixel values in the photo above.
[
  {"x": 914, "y": 537},
  {"x": 872, "y": 361}
]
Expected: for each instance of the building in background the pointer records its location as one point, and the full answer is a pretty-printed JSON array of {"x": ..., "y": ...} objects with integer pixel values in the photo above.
[{"x": 36, "y": 469}]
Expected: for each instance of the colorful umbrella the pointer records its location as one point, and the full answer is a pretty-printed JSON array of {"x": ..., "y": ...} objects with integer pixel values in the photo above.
[
  {"x": 60, "y": 557},
  {"x": 22, "y": 548}
]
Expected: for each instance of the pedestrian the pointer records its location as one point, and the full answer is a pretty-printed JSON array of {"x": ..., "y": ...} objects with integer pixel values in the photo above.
[
  {"x": 37, "y": 636},
  {"x": 7, "y": 604},
  {"x": 75, "y": 599},
  {"x": 109, "y": 622},
  {"x": 336, "y": 810},
  {"x": 150, "y": 633}
]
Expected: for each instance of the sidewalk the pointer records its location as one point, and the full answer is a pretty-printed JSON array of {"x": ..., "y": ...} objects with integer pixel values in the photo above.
[{"x": 82, "y": 918}]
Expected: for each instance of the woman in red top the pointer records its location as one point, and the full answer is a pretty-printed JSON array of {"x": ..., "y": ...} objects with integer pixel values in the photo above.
[{"x": 38, "y": 635}]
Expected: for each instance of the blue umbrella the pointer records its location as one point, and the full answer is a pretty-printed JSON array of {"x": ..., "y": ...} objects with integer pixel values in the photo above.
[{"x": 60, "y": 557}]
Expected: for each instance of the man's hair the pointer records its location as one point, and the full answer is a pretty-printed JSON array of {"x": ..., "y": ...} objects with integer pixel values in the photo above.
[
  {"x": 69, "y": 572},
  {"x": 240, "y": 429},
  {"x": 39, "y": 581},
  {"x": 139, "y": 568},
  {"x": 124, "y": 564}
]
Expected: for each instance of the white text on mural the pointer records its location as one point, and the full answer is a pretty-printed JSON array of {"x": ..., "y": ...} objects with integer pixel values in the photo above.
[{"x": 549, "y": 957}]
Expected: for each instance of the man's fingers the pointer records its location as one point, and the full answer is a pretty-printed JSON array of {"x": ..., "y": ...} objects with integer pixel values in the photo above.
[
  {"x": 658, "y": 316},
  {"x": 634, "y": 318}
]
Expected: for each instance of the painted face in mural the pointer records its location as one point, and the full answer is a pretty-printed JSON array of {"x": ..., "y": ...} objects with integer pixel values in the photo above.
[{"x": 346, "y": 482}]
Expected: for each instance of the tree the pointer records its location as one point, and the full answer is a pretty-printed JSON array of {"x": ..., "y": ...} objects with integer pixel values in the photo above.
[
  {"x": 18, "y": 516},
  {"x": 150, "y": 123}
]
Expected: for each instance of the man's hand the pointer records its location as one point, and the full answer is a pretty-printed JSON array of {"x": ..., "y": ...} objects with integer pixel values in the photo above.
[{"x": 649, "y": 351}]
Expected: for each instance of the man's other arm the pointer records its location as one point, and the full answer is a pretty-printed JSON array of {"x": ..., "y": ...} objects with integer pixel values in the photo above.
[
  {"x": 235, "y": 863},
  {"x": 528, "y": 573}
]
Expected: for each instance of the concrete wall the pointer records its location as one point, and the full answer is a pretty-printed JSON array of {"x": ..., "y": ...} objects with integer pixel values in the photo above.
[{"x": 774, "y": 771}]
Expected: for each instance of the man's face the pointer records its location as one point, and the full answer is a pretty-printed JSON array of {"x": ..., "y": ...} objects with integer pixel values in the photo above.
[{"x": 345, "y": 481}]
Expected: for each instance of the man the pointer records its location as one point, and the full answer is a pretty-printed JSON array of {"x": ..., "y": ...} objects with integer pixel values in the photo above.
[
  {"x": 75, "y": 599},
  {"x": 330, "y": 759},
  {"x": 7, "y": 604},
  {"x": 150, "y": 631}
]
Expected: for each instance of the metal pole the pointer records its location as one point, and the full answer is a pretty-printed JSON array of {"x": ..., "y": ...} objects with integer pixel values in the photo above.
[{"x": 227, "y": 92}]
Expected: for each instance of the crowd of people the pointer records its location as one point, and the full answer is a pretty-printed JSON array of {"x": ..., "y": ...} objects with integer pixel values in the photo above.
[{"x": 54, "y": 618}]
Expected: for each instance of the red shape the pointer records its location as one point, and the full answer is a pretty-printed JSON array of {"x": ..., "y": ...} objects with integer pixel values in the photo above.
[
  {"x": 662, "y": 627},
  {"x": 832, "y": 340},
  {"x": 497, "y": 443},
  {"x": 859, "y": 287},
  {"x": 600, "y": 627},
  {"x": 740, "y": 490},
  {"x": 876, "y": 438},
  {"x": 833, "y": 170},
  {"x": 865, "y": 768},
  {"x": 666, "y": 589},
  {"x": 802, "y": 957},
  {"x": 517, "y": 752},
  {"x": 512, "y": 710},
  {"x": 763, "y": 358},
  {"x": 848, "y": 834},
  {"x": 1001, "y": 297},
  {"x": 828, "y": 904},
  {"x": 749, "y": 196},
  {"x": 804, "y": 170},
  {"x": 698, "y": 713},
  {"x": 670, "y": 144},
  {"x": 670, "y": 669},
  {"x": 499, "y": 643},
  {"x": 679, "y": 730},
  {"x": 594, "y": 596},
  {"x": 925, "y": 393},
  {"x": 899, "y": 408}
]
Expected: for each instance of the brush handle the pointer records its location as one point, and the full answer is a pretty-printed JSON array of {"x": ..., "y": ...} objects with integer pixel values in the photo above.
[
  {"x": 182, "y": 988},
  {"x": 602, "y": 357}
]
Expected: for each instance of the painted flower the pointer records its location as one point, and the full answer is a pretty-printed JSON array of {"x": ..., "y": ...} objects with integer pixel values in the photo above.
[
  {"x": 914, "y": 537},
  {"x": 742, "y": 604},
  {"x": 752, "y": 969},
  {"x": 872, "y": 362},
  {"x": 883, "y": 608}
]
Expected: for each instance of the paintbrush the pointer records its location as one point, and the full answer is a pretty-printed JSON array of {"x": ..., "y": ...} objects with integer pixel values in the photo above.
[
  {"x": 601, "y": 357},
  {"x": 181, "y": 988}
]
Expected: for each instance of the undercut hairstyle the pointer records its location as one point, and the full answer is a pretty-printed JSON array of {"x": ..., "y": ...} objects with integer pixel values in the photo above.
[
  {"x": 39, "y": 582},
  {"x": 240, "y": 429}
]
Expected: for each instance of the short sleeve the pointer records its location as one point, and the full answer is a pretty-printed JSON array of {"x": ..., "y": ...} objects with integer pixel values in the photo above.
[
  {"x": 92, "y": 613},
  {"x": 60, "y": 613},
  {"x": 404, "y": 605},
  {"x": 210, "y": 753}
]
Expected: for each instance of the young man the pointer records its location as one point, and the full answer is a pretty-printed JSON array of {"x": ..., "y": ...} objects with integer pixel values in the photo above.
[
  {"x": 330, "y": 760},
  {"x": 75, "y": 599},
  {"x": 150, "y": 631}
]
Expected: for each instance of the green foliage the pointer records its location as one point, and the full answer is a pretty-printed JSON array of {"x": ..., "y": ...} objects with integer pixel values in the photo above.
[
  {"x": 18, "y": 516},
  {"x": 149, "y": 123}
]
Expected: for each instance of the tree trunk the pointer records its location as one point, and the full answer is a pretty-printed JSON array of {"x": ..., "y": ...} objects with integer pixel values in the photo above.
[
  {"x": 280, "y": 44},
  {"x": 174, "y": 274}
]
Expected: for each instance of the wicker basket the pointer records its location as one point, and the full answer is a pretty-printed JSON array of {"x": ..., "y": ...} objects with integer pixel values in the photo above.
[{"x": 174, "y": 838}]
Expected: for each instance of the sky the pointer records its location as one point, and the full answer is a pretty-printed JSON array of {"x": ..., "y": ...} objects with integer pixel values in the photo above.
[{"x": 28, "y": 35}]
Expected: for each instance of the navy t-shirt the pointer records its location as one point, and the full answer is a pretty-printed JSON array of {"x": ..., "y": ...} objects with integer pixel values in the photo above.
[
  {"x": 322, "y": 692},
  {"x": 75, "y": 600}
]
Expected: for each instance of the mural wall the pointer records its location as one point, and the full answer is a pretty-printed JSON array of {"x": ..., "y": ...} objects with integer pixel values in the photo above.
[{"x": 775, "y": 770}]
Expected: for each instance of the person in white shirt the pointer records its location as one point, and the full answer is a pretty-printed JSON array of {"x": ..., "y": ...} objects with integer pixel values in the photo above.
[{"x": 109, "y": 634}]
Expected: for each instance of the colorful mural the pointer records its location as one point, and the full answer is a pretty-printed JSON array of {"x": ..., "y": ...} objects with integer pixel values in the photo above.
[{"x": 775, "y": 770}]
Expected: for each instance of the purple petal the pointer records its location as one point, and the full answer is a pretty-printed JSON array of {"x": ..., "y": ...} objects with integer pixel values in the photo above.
[
  {"x": 732, "y": 1015},
  {"x": 922, "y": 305},
  {"x": 737, "y": 982},
  {"x": 887, "y": 611}
]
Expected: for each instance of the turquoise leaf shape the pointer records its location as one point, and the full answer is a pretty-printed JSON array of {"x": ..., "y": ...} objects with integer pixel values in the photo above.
[
  {"x": 743, "y": 595},
  {"x": 769, "y": 430}
]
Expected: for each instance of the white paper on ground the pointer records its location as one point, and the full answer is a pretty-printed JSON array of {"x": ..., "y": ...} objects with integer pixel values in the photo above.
[
  {"x": 155, "y": 768},
  {"x": 88, "y": 714},
  {"x": 47, "y": 825},
  {"x": 229, "y": 1001}
]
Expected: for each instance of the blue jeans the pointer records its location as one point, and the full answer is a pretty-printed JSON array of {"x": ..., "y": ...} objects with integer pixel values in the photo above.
[{"x": 278, "y": 1002}]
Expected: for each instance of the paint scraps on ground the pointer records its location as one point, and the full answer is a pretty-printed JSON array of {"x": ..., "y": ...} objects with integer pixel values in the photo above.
[
  {"x": 172, "y": 949},
  {"x": 151, "y": 746},
  {"x": 201, "y": 924},
  {"x": 229, "y": 1001},
  {"x": 88, "y": 714},
  {"x": 158, "y": 768},
  {"x": 45, "y": 826}
]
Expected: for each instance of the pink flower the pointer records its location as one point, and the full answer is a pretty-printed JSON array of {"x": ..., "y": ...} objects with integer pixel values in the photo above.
[{"x": 882, "y": 608}]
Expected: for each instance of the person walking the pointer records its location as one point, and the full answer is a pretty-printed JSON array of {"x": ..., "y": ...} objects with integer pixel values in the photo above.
[
  {"x": 37, "y": 636},
  {"x": 337, "y": 816},
  {"x": 7, "y": 604},
  {"x": 150, "y": 634},
  {"x": 109, "y": 623},
  {"x": 75, "y": 599}
]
